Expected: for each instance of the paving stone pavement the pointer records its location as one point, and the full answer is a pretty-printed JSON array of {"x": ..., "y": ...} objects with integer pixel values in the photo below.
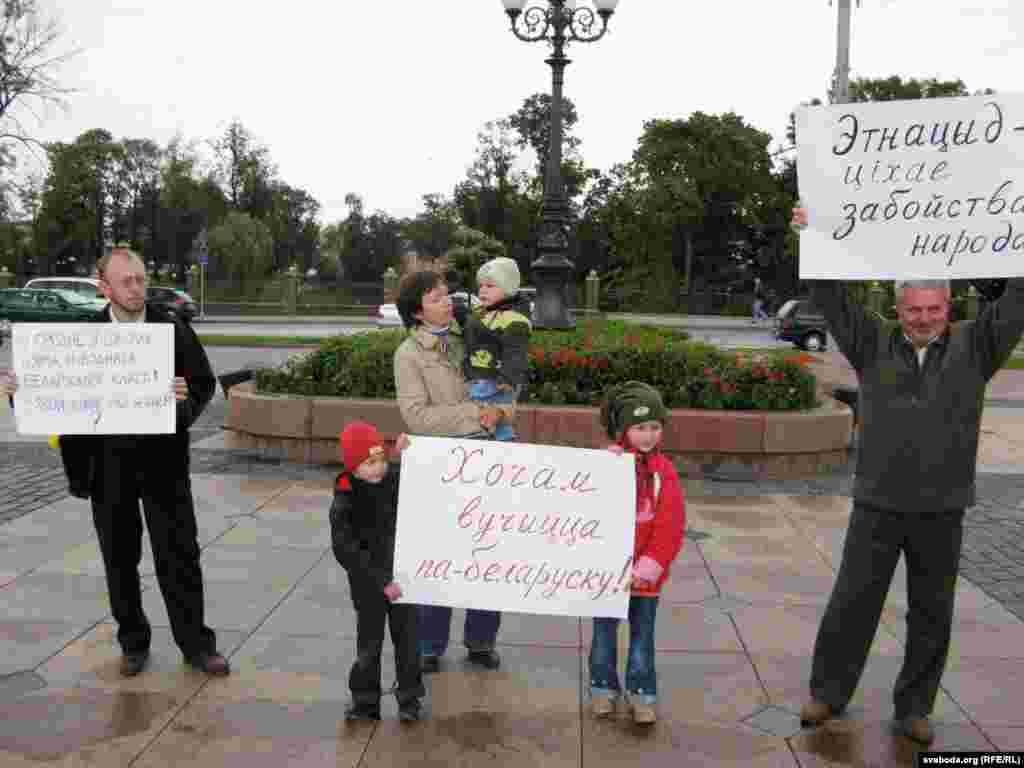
[{"x": 992, "y": 556}]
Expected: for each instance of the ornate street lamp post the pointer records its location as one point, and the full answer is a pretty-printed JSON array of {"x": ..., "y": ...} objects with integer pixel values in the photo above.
[{"x": 558, "y": 24}]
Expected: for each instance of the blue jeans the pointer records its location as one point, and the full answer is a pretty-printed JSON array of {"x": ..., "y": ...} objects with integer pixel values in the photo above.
[
  {"x": 641, "y": 679},
  {"x": 486, "y": 391},
  {"x": 435, "y": 624}
]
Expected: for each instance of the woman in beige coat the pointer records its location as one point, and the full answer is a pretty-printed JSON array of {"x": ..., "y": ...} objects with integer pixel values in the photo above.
[{"x": 433, "y": 400}]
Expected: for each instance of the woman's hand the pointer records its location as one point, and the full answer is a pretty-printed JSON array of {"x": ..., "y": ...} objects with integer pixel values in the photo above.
[
  {"x": 392, "y": 592},
  {"x": 402, "y": 442}
]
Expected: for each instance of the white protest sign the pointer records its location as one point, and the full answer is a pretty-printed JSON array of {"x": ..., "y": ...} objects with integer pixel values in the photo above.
[
  {"x": 515, "y": 527},
  {"x": 94, "y": 378},
  {"x": 932, "y": 188}
]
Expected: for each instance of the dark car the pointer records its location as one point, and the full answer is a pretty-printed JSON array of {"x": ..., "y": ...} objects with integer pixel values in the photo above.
[
  {"x": 173, "y": 301},
  {"x": 803, "y": 324},
  {"x": 42, "y": 305}
]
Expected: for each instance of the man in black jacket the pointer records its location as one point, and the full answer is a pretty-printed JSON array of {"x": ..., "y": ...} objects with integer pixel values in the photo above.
[
  {"x": 922, "y": 390},
  {"x": 116, "y": 471}
]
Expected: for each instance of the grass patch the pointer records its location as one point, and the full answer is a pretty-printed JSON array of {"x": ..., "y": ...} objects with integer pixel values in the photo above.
[{"x": 261, "y": 341}]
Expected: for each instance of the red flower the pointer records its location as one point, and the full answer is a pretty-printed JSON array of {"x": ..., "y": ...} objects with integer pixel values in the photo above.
[
  {"x": 728, "y": 389},
  {"x": 708, "y": 372}
]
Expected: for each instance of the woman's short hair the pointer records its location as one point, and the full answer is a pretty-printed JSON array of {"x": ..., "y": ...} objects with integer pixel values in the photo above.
[{"x": 411, "y": 290}]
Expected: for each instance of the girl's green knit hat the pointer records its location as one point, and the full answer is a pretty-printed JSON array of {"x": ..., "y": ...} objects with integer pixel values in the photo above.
[{"x": 629, "y": 404}]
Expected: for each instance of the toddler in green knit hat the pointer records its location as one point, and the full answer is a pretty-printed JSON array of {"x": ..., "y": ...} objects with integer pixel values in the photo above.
[{"x": 497, "y": 339}]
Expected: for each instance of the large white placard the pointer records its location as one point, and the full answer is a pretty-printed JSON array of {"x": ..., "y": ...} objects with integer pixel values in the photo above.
[
  {"x": 94, "y": 378},
  {"x": 932, "y": 188},
  {"x": 515, "y": 527}
]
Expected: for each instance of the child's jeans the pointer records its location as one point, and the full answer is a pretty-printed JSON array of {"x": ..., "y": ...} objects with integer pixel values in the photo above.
[
  {"x": 486, "y": 391},
  {"x": 641, "y": 680}
]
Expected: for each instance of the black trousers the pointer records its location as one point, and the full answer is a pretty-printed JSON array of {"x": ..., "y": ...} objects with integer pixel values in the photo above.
[
  {"x": 876, "y": 537},
  {"x": 171, "y": 520},
  {"x": 372, "y": 611}
]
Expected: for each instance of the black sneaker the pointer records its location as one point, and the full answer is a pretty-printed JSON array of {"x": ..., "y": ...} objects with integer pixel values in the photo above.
[
  {"x": 354, "y": 712},
  {"x": 487, "y": 659},
  {"x": 133, "y": 663},
  {"x": 410, "y": 711}
]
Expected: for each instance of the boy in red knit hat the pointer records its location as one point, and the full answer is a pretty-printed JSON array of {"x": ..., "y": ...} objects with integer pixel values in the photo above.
[
  {"x": 634, "y": 415},
  {"x": 363, "y": 519}
]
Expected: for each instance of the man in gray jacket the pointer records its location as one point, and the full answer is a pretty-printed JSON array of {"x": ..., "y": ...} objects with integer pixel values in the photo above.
[{"x": 922, "y": 389}]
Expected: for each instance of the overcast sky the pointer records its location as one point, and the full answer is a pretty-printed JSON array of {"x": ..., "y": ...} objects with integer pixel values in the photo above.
[{"x": 384, "y": 99}]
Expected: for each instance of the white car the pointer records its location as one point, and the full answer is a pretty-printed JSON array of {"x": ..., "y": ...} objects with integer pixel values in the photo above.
[
  {"x": 387, "y": 314},
  {"x": 87, "y": 287}
]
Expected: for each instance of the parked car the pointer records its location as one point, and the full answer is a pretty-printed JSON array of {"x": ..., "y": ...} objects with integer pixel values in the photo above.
[
  {"x": 173, "y": 301},
  {"x": 42, "y": 305},
  {"x": 88, "y": 287},
  {"x": 387, "y": 315},
  {"x": 803, "y": 324}
]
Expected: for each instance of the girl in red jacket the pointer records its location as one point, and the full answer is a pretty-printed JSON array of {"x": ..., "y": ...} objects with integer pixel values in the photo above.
[{"x": 634, "y": 416}]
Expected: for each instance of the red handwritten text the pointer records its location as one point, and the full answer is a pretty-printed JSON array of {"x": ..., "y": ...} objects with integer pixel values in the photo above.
[
  {"x": 564, "y": 528},
  {"x": 473, "y": 469},
  {"x": 548, "y": 580}
]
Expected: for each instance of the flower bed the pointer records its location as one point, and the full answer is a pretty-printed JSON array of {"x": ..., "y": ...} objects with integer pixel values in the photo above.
[
  {"x": 575, "y": 368},
  {"x": 736, "y": 415}
]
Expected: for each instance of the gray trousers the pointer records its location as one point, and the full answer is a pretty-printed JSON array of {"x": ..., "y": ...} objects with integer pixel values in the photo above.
[{"x": 876, "y": 537}]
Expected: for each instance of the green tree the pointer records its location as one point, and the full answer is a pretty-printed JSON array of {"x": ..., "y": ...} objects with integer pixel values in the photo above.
[
  {"x": 532, "y": 123},
  {"x": 430, "y": 232},
  {"x": 704, "y": 179},
  {"x": 244, "y": 170},
  {"x": 471, "y": 248},
  {"x": 293, "y": 225},
  {"x": 243, "y": 246},
  {"x": 187, "y": 203},
  {"x": 74, "y": 218},
  {"x": 895, "y": 88}
]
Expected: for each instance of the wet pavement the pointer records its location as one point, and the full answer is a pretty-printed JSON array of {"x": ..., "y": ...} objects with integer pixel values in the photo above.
[{"x": 735, "y": 631}]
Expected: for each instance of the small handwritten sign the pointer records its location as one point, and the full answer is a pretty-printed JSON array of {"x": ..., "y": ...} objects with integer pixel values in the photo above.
[
  {"x": 515, "y": 527},
  {"x": 94, "y": 378},
  {"x": 932, "y": 188}
]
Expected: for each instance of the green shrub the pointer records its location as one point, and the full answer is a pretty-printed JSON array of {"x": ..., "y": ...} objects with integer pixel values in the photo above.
[{"x": 575, "y": 367}]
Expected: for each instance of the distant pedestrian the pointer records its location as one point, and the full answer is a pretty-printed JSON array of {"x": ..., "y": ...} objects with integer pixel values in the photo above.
[{"x": 759, "y": 311}]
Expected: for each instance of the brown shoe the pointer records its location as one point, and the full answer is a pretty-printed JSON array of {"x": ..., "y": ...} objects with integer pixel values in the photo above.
[
  {"x": 644, "y": 714},
  {"x": 602, "y": 706},
  {"x": 815, "y": 712},
  {"x": 133, "y": 663},
  {"x": 212, "y": 664},
  {"x": 917, "y": 728}
]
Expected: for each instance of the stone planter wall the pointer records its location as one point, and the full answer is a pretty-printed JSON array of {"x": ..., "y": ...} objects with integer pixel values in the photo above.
[{"x": 737, "y": 444}]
